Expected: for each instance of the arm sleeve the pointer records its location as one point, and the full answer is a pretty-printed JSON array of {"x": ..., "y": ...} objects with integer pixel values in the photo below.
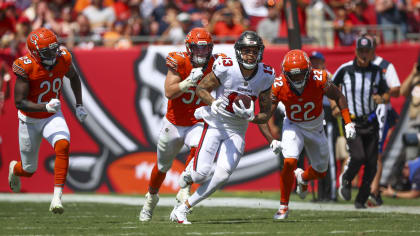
[{"x": 391, "y": 76}]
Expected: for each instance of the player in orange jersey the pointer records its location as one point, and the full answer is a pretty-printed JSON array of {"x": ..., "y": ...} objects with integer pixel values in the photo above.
[
  {"x": 179, "y": 126},
  {"x": 37, "y": 97},
  {"x": 301, "y": 89}
]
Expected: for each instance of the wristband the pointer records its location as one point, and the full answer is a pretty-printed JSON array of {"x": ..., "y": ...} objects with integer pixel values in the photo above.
[{"x": 346, "y": 115}]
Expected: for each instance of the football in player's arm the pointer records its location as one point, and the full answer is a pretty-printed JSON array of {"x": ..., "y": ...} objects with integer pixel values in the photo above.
[{"x": 37, "y": 97}]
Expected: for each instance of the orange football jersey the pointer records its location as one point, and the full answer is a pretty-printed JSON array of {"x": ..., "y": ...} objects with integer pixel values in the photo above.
[
  {"x": 44, "y": 85},
  {"x": 181, "y": 109},
  {"x": 306, "y": 106}
]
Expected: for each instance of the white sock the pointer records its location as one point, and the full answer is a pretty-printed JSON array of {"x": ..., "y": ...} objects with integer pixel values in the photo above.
[{"x": 58, "y": 191}]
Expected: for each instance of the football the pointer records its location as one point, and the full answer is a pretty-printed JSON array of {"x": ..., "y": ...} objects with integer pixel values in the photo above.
[{"x": 246, "y": 100}]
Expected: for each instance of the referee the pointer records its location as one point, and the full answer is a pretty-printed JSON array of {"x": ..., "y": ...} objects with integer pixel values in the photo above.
[{"x": 364, "y": 86}]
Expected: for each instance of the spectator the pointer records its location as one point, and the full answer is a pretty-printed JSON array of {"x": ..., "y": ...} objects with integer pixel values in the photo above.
[
  {"x": 268, "y": 28},
  {"x": 44, "y": 17},
  {"x": 224, "y": 23},
  {"x": 413, "y": 16},
  {"x": 410, "y": 172},
  {"x": 121, "y": 9},
  {"x": 100, "y": 16},
  {"x": 356, "y": 16},
  {"x": 410, "y": 88},
  {"x": 389, "y": 14},
  {"x": 115, "y": 38},
  {"x": 7, "y": 24},
  {"x": 85, "y": 37}
]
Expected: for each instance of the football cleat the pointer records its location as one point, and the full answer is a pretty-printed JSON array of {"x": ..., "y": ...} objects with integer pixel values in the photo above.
[
  {"x": 14, "y": 181},
  {"x": 344, "y": 191},
  {"x": 179, "y": 214},
  {"x": 302, "y": 187},
  {"x": 148, "y": 207},
  {"x": 282, "y": 213},
  {"x": 56, "y": 206}
]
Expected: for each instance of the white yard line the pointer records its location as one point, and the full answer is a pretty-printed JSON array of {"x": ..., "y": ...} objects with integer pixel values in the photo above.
[{"x": 212, "y": 202}]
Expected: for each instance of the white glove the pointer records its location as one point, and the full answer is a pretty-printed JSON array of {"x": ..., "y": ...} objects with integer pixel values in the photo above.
[
  {"x": 215, "y": 106},
  {"x": 247, "y": 114},
  {"x": 53, "y": 106},
  {"x": 81, "y": 113},
  {"x": 196, "y": 74},
  {"x": 276, "y": 146},
  {"x": 350, "y": 131},
  {"x": 191, "y": 80}
]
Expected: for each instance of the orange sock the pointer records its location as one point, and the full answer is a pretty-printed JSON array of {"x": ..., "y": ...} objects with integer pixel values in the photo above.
[
  {"x": 311, "y": 174},
  {"x": 61, "y": 164},
  {"x": 156, "y": 180},
  {"x": 190, "y": 156},
  {"x": 18, "y": 170},
  {"x": 287, "y": 179}
]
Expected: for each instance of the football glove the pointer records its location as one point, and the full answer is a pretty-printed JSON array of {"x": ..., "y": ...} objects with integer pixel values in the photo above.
[
  {"x": 215, "y": 106},
  {"x": 276, "y": 146},
  {"x": 196, "y": 74},
  {"x": 350, "y": 131},
  {"x": 81, "y": 113},
  {"x": 53, "y": 106},
  {"x": 244, "y": 113}
]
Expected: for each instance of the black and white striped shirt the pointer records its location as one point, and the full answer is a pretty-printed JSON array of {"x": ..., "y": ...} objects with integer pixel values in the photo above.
[{"x": 358, "y": 85}]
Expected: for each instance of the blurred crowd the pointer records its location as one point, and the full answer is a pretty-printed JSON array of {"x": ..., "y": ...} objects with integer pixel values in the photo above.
[{"x": 123, "y": 23}]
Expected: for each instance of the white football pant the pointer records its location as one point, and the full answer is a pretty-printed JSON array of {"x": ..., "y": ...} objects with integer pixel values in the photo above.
[
  {"x": 218, "y": 148},
  {"x": 295, "y": 138},
  {"x": 172, "y": 138},
  {"x": 53, "y": 128}
]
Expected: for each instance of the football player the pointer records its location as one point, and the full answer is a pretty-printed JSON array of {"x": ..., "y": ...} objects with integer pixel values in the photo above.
[
  {"x": 37, "y": 97},
  {"x": 179, "y": 127},
  {"x": 223, "y": 139},
  {"x": 301, "y": 89}
]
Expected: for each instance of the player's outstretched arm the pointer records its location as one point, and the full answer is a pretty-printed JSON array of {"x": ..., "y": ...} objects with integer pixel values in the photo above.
[
  {"x": 75, "y": 83},
  {"x": 266, "y": 108},
  {"x": 172, "y": 84},
  {"x": 21, "y": 95},
  {"x": 206, "y": 85},
  {"x": 265, "y": 128}
]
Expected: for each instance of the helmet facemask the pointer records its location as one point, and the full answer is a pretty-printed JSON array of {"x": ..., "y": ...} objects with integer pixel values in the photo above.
[
  {"x": 200, "y": 52},
  {"x": 242, "y": 51},
  {"x": 297, "y": 77},
  {"x": 48, "y": 55}
]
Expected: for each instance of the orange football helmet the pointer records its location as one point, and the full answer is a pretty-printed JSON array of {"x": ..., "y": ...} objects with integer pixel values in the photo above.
[
  {"x": 199, "y": 46},
  {"x": 43, "y": 46},
  {"x": 296, "y": 68}
]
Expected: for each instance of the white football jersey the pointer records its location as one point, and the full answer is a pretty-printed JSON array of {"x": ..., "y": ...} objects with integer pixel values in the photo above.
[{"x": 232, "y": 83}]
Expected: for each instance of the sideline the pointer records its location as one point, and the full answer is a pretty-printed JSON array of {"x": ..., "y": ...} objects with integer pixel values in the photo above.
[{"x": 211, "y": 202}]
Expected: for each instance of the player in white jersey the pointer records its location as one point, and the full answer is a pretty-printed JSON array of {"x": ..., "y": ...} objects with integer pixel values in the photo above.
[{"x": 223, "y": 139}]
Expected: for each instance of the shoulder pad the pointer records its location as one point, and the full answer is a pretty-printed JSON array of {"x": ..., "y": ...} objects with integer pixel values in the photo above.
[
  {"x": 65, "y": 54},
  {"x": 175, "y": 60},
  {"x": 22, "y": 66}
]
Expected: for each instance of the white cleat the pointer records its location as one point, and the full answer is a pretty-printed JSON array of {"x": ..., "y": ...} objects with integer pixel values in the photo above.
[
  {"x": 14, "y": 181},
  {"x": 282, "y": 213},
  {"x": 56, "y": 206},
  {"x": 185, "y": 178},
  {"x": 150, "y": 203},
  {"x": 302, "y": 187},
  {"x": 179, "y": 214}
]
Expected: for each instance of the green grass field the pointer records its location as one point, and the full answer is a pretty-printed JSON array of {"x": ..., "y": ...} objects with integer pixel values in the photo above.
[{"x": 30, "y": 218}]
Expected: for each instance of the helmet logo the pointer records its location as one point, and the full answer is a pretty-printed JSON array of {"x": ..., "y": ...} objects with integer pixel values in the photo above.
[{"x": 34, "y": 39}]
